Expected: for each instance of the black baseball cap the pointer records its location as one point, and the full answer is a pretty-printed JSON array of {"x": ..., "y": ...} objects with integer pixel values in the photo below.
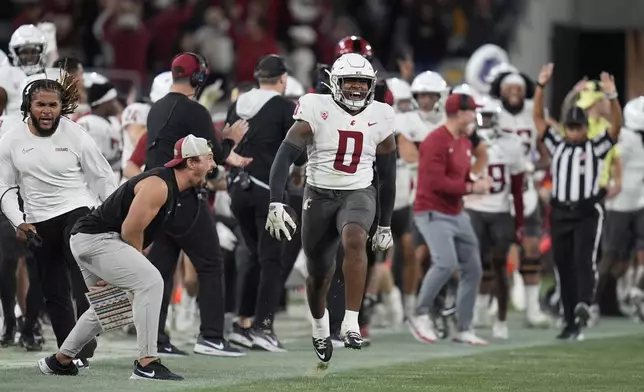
[
  {"x": 576, "y": 116},
  {"x": 270, "y": 66}
]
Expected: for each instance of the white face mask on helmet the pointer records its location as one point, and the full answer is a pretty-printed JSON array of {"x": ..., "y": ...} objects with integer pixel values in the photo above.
[
  {"x": 27, "y": 48},
  {"x": 487, "y": 118},
  {"x": 403, "y": 98},
  {"x": 356, "y": 67},
  {"x": 430, "y": 82}
]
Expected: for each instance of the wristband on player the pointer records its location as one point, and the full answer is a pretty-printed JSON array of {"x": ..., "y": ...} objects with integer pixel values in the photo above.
[
  {"x": 541, "y": 85},
  {"x": 612, "y": 96}
]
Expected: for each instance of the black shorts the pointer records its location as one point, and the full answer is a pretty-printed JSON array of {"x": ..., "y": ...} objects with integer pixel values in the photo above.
[
  {"x": 401, "y": 222},
  {"x": 10, "y": 247},
  {"x": 623, "y": 232},
  {"x": 325, "y": 212},
  {"x": 533, "y": 224},
  {"x": 494, "y": 230}
]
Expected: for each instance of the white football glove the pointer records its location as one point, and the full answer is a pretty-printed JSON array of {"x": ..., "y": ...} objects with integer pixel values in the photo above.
[
  {"x": 277, "y": 220},
  {"x": 383, "y": 239},
  {"x": 227, "y": 239}
]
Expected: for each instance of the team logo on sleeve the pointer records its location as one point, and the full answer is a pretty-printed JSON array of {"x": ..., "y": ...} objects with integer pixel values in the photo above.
[{"x": 324, "y": 115}]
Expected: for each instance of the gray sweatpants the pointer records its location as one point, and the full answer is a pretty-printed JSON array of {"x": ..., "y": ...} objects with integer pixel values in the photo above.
[
  {"x": 106, "y": 257},
  {"x": 453, "y": 245}
]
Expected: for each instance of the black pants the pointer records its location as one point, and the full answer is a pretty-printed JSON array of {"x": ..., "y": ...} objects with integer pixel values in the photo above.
[
  {"x": 55, "y": 261},
  {"x": 575, "y": 237},
  {"x": 262, "y": 281},
  {"x": 35, "y": 300},
  {"x": 193, "y": 231}
]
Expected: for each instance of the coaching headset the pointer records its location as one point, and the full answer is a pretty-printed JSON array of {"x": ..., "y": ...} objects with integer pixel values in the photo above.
[{"x": 199, "y": 77}]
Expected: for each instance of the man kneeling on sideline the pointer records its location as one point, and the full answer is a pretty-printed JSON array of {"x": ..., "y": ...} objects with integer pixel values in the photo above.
[{"x": 107, "y": 245}]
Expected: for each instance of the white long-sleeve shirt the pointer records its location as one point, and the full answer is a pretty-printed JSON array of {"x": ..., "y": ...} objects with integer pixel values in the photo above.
[{"x": 56, "y": 174}]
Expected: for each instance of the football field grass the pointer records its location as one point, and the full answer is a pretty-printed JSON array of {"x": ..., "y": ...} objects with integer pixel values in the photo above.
[{"x": 610, "y": 359}]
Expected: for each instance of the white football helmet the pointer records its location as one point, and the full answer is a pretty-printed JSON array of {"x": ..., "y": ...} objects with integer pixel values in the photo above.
[
  {"x": 634, "y": 114},
  {"x": 27, "y": 48},
  {"x": 481, "y": 63},
  {"x": 4, "y": 60},
  {"x": 161, "y": 86},
  {"x": 468, "y": 90},
  {"x": 487, "y": 117},
  {"x": 352, "y": 66},
  {"x": 401, "y": 91},
  {"x": 90, "y": 78},
  {"x": 294, "y": 88},
  {"x": 429, "y": 82}
]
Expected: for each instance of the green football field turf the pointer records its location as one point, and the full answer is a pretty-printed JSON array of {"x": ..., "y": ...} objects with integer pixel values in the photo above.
[{"x": 611, "y": 359}]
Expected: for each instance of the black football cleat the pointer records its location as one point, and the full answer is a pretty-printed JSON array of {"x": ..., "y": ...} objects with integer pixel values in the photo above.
[
  {"x": 582, "y": 314},
  {"x": 571, "y": 333},
  {"x": 153, "y": 371},
  {"x": 323, "y": 348},
  {"x": 51, "y": 367},
  {"x": 353, "y": 340},
  {"x": 29, "y": 343}
]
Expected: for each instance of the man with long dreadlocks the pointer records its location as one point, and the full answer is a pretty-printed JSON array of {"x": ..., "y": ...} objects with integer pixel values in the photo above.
[{"x": 59, "y": 172}]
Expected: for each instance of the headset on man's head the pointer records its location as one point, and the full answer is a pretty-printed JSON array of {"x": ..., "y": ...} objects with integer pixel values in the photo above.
[
  {"x": 199, "y": 77},
  {"x": 25, "y": 105}
]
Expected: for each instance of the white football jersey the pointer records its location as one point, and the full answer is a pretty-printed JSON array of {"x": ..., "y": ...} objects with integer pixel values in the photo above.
[
  {"x": 10, "y": 80},
  {"x": 631, "y": 151},
  {"x": 505, "y": 159},
  {"x": 343, "y": 150},
  {"x": 523, "y": 126},
  {"x": 412, "y": 126},
  {"x": 106, "y": 132}
]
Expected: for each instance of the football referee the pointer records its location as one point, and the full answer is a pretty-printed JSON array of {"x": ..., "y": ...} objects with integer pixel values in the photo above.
[{"x": 577, "y": 213}]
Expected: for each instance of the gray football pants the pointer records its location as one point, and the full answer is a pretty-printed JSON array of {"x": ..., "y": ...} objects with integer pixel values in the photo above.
[
  {"x": 453, "y": 246},
  {"x": 106, "y": 257}
]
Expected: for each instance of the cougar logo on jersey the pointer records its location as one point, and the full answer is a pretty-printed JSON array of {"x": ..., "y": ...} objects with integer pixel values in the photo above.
[{"x": 324, "y": 115}]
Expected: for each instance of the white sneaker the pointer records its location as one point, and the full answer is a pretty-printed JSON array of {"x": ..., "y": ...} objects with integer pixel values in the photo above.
[
  {"x": 500, "y": 330},
  {"x": 538, "y": 319},
  {"x": 517, "y": 294},
  {"x": 421, "y": 330},
  {"x": 470, "y": 338}
]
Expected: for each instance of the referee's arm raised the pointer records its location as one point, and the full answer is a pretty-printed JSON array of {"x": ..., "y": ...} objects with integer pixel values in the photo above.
[
  {"x": 538, "y": 112},
  {"x": 616, "y": 121}
]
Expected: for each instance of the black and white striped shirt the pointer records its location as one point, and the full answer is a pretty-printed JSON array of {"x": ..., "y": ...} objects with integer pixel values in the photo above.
[{"x": 576, "y": 168}]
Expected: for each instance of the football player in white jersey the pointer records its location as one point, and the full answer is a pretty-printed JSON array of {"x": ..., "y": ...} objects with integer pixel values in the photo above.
[
  {"x": 103, "y": 125},
  {"x": 27, "y": 51},
  {"x": 515, "y": 91},
  {"x": 493, "y": 224},
  {"x": 345, "y": 134},
  {"x": 624, "y": 225},
  {"x": 134, "y": 126}
]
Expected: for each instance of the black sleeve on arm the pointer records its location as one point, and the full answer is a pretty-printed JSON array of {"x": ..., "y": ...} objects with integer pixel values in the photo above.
[
  {"x": 286, "y": 155},
  {"x": 201, "y": 125},
  {"x": 475, "y": 139},
  {"x": 386, "y": 167}
]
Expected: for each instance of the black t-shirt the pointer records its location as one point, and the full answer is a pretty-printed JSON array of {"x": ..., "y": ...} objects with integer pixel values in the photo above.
[
  {"x": 176, "y": 116},
  {"x": 269, "y": 119},
  {"x": 109, "y": 216}
]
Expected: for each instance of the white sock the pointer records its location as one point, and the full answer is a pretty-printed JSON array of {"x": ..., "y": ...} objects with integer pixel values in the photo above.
[
  {"x": 409, "y": 302},
  {"x": 351, "y": 320},
  {"x": 321, "y": 328},
  {"x": 532, "y": 298}
]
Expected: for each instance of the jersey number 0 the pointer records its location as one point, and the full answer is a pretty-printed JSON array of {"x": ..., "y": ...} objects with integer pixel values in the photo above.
[{"x": 343, "y": 144}]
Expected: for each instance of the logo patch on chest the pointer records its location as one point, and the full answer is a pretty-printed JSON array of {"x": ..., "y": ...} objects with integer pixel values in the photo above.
[{"x": 62, "y": 149}]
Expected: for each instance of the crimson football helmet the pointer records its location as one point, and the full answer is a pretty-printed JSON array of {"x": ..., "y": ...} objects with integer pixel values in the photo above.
[{"x": 354, "y": 44}]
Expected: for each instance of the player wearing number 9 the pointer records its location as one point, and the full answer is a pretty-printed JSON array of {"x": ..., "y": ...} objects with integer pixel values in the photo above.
[{"x": 345, "y": 133}]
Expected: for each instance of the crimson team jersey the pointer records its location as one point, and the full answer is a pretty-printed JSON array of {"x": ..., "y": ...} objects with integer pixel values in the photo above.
[
  {"x": 343, "y": 150},
  {"x": 505, "y": 159},
  {"x": 523, "y": 126}
]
